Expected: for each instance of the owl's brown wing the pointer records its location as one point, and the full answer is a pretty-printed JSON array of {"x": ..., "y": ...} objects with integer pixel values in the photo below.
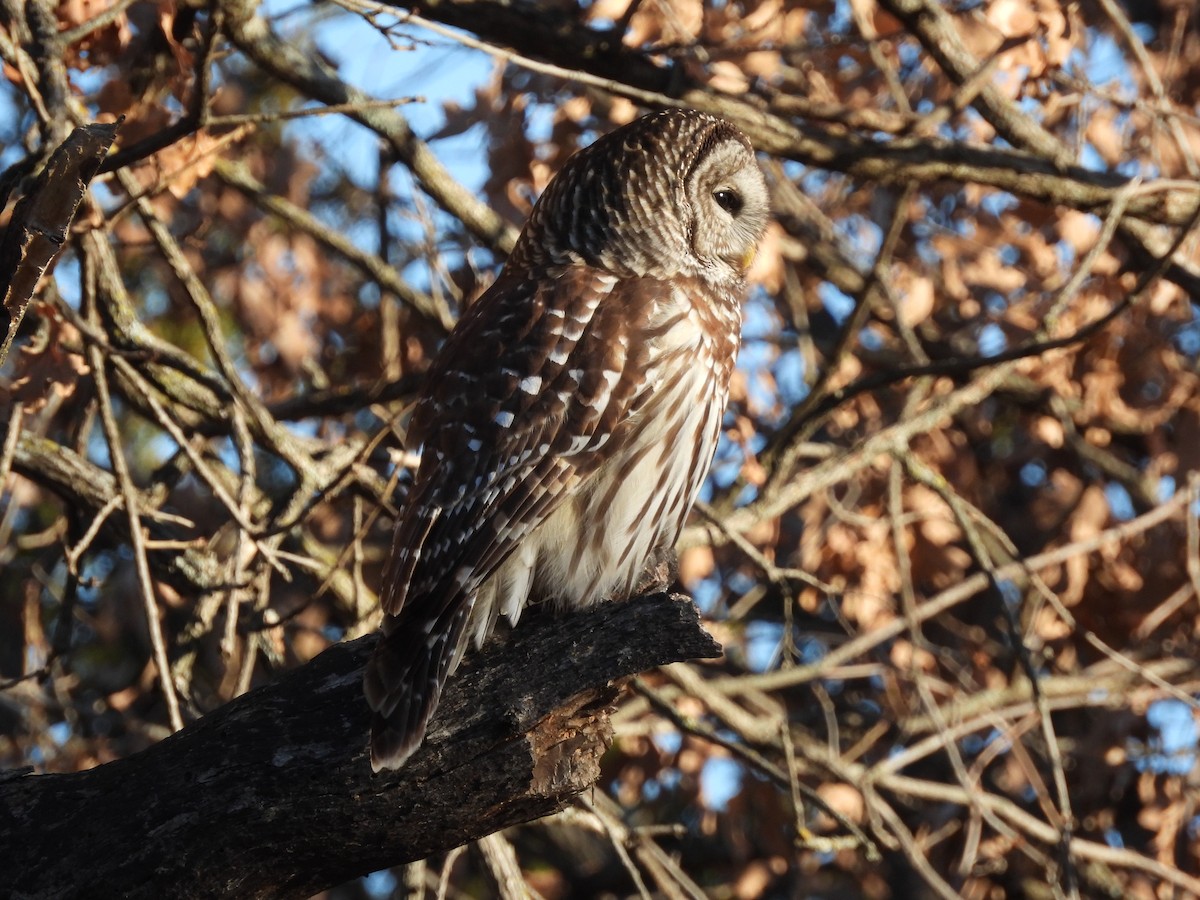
[
  {"x": 521, "y": 407},
  {"x": 521, "y": 403}
]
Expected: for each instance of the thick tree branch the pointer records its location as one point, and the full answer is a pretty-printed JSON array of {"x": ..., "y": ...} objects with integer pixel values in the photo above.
[
  {"x": 272, "y": 794},
  {"x": 1038, "y": 169},
  {"x": 41, "y": 220}
]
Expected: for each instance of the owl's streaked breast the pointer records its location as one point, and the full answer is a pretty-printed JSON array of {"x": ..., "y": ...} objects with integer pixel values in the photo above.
[{"x": 595, "y": 547}]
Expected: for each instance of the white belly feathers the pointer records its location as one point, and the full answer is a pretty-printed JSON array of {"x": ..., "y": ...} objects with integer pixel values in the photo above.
[{"x": 596, "y": 545}]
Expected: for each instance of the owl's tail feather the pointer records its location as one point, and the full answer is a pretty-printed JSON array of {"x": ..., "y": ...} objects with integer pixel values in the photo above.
[{"x": 405, "y": 675}]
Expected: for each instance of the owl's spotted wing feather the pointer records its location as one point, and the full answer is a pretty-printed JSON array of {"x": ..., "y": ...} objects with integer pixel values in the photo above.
[{"x": 530, "y": 388}]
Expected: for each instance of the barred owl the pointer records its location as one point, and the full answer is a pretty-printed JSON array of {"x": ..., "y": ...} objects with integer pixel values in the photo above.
[{"x": 569, "y": 420}]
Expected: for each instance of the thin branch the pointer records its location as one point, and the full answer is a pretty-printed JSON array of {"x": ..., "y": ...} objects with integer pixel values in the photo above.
[
  {"x": 253, "y": 36},
  {"x": 237, "y": 176},
  {"x": 116, "y": 453},
  {"x": 951, "y": 597}
]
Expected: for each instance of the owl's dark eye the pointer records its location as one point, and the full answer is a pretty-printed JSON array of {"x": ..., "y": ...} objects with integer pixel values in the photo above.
[{"x": 730, "y": 201}]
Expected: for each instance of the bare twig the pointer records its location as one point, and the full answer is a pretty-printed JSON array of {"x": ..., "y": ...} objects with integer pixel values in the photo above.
[{"x": 116, "y": 453}]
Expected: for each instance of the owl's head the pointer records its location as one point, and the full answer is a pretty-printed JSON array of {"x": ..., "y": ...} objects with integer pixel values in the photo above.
[{"x": 676, "y": 192}]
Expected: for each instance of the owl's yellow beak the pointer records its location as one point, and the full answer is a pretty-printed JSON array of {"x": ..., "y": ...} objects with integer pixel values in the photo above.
[{"x": 748, "y": 257}]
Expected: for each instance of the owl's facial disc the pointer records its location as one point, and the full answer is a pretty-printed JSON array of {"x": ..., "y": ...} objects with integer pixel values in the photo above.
[{"x": 729, "y": 207}]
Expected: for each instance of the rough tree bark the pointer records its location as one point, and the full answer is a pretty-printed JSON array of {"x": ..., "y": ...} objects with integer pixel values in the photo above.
[
  {"x": 272, "y": 795},
  {"x": 39, "y": 225}
]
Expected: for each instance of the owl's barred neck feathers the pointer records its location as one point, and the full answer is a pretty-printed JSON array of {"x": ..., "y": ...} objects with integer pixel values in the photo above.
[{"x": 569, "y": 420}]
